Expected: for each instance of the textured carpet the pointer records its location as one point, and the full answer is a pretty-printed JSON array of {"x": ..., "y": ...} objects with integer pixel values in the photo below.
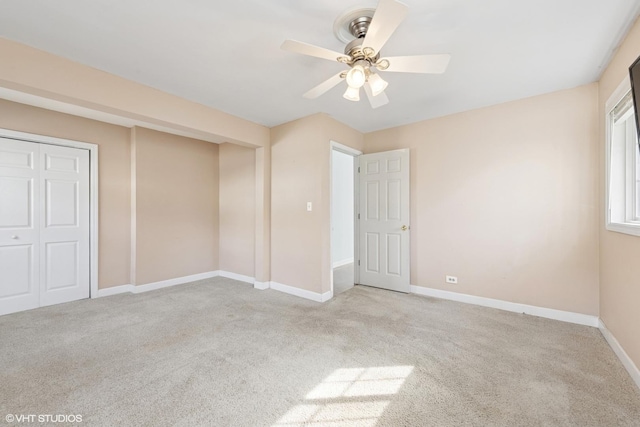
[
  {"x": 342, "y": 278},
  {"x": 219, "y": 353}
]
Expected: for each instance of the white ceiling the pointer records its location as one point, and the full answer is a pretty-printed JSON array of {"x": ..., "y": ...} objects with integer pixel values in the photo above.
[{"x": 226, "y": 54}]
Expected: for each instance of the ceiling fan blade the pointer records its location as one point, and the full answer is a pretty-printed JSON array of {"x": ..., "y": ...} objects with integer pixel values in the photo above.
[
  {"x": 428, "y": 64},
  {"x": 324, "y": 87},
  {"x": 311, "y": 50},
  {"x": 388, "y": 16},
  {"x": 375, "y": 101}
]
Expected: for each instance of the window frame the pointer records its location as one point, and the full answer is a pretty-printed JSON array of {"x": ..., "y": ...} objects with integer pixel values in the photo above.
[{"x": 631, "y": 227}]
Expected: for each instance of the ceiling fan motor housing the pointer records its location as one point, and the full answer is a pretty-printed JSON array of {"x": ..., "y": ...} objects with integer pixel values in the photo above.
[
  {"x": 359, "y": 26},
  {"x": 356, "y": 51},
  {"x": 354, "y": 22}
]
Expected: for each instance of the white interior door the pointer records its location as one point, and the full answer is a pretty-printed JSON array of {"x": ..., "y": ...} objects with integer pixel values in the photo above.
[
  {"x": 19, "y": 218},
  {"x": 64, "y": 224},
  {"x": 384, "y": 220},
  {"x": 44, "y": 225}
]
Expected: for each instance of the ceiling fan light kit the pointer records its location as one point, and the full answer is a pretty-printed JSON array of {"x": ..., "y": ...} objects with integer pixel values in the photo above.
[{"x": 371, "y": 29}]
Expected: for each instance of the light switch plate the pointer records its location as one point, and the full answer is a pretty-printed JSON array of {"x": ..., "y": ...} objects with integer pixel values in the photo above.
[{"x": 309, "y": 207}]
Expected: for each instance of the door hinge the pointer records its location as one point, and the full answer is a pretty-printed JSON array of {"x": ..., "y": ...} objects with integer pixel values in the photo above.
[
  {"x": 358, "y": 169},
  {"x": 358, "y": 216},
  {"x": 358, "y": 262}
]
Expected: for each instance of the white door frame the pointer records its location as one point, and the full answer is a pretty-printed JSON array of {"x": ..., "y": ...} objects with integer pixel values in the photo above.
[
  {"x": 93, "y": 190},
  {"x": 336, "y": 146}
]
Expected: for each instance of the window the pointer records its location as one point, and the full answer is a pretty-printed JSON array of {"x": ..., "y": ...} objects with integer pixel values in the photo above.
[{"x": 623, "y": 189}]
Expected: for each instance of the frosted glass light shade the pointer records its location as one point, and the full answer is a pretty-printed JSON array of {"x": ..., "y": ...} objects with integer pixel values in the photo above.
[
  {"x": 352, "y": 94},
  {"x": 378, "y": 84},
  {"x": 356, "y": 77}
]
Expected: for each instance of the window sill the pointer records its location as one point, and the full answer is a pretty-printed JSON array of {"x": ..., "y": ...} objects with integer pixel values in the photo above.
[{"x": 625, "y": 228}]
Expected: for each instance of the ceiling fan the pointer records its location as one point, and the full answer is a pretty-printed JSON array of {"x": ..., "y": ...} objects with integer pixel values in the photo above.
[{"x": 371, "y": 29}]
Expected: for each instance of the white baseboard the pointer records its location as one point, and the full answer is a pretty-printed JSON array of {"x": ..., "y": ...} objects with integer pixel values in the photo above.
[
  {"x": 302, "y": 293},
  {"x": 172, "y": 282},
  {"x": 179, "y": 281},
  {"x": 622, "y": 355},
  {"x": 156, "y": 285},
  {"x": 261, "y": 285},
  {"x": 343, "y": 262},
  {"x": 327, "y": 296},
  {"x": 235, "y": 276},
  {"x": 115, "y": 290},
  {"x": 549, "y": 313}
]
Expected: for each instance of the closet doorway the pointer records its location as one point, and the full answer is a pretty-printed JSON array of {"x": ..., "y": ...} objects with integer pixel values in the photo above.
[{"x": 45, "y": 223}]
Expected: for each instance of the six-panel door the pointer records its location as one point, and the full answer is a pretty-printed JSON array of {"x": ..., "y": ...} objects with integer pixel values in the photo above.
[
  {"x": 19, "y": 221},
  {"x": 384, "y": 220},
  {"x": 64, "y": 224}
]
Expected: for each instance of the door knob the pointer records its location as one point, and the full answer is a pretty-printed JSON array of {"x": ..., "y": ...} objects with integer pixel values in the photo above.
[
  {"x": 14, "y": 237},
  {"x": 405, "y": 228}
]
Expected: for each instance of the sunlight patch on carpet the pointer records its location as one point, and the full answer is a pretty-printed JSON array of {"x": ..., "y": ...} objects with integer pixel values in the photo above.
[{"x": 335, "y": 399}]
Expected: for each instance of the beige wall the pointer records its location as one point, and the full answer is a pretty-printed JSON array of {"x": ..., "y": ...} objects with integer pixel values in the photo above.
[
  {"x": 343, "y": 134},
  {"x": 80, "y": 85},
  {"x": 300, "y": 151},
  {"x": 237, "y": 209},
  {"x": 176, "y": 198},
  {"x": 296, "y": 162},
  {"x": 619, "y": 253},
  {"x": 263, "y": 216},
  {"x": 114, "y": 178},
  {"x": 505, "y": 198}
]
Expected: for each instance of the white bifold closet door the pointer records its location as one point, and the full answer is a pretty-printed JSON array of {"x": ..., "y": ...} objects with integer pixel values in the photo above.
[{"x": 44, "y": 225}]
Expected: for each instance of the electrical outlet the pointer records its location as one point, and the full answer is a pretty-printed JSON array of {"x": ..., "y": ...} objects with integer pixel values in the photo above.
[{"x": 452, "y": 279}]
